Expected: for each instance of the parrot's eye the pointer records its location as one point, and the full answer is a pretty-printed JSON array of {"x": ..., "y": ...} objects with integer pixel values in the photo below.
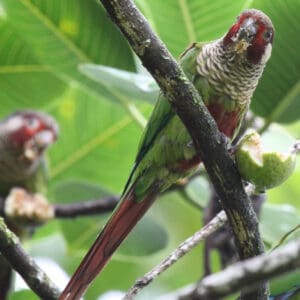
[
  {"x": 32, "y": 123},
  {"x": 267, "y": 35}
]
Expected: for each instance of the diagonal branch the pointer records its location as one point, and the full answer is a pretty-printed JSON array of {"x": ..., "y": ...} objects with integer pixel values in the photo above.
[
  {"x": 208, "y": 143},
  {"x": 247, "y": 273},
  {"x": 184, "y": 248},
  {"x": 85, "y": 208},
  {"x": 35, "y": 278}
]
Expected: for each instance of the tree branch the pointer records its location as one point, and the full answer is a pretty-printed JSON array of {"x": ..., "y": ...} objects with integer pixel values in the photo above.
[
  {"x": 85, "y": 208},
  {"x": 208, "y": 143},
  {"x": 248, "y": 273},
  {"x": 35, "y": 278},
  {"x": 184, "y": 248}
]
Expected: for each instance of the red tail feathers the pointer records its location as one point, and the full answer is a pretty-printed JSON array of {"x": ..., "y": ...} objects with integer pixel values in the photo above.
[{"x": 125, "y": 217}]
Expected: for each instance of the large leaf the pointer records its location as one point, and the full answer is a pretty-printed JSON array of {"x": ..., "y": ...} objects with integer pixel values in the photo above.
[
  {"x": 52, "y": 36},
  {"x": 128, "y": 84},
  {"x": 278, "y": 95},
  {"x": 94, "y": 137},
  {"x": 277, "y": 220}
]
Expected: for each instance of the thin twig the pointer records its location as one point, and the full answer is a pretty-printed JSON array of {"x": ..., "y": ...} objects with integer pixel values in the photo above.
[
  {"x": 35, "y": 278},
  {"x": 242, "y": 274},
  {"x": 182, "y": 249},
  {"x": 185, "y": 247},
  {"x": 85, "y": 208}
]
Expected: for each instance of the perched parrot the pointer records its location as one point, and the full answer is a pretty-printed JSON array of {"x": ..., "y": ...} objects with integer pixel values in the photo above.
[
  {"x": 225, "y": 73},
  {"x": 24, "y": 137}
]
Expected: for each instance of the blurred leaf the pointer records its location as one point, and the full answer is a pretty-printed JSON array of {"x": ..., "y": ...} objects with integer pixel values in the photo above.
[
  {"x": 146, "y": 238},
  {"x": 182, "y": 22},
  {"x": 130, "y": 85},
  {"x": 23, "y": 295},
  {"x": 94, "y": 137},
  {"x": 81, "y": 234},
  {"x": 45, "y": 246},
  {"x": 198, "y": 190},
  {"x": 285, "y": 284},
  {"x": 277, "y": 220},
  {"x": 277, "y": 139},
  {"x": 294, "y": 129},
  {"x": 52, "y": 37},
  {"x": 278, "y": 94},
  {"x": 288, "y": 192},
  {"x": 78, "y": 191}
]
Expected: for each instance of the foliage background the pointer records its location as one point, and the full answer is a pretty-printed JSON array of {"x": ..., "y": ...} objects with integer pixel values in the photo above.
[{"x": 42, "y": 44}]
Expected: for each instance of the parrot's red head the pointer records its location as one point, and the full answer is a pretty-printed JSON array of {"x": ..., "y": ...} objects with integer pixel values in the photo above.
[
  {"x": 29, "y": 133},
  {"x": 252, "y": 35}
]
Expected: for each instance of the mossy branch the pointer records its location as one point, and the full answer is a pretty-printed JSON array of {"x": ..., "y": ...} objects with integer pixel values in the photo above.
[
  {"x": 208, "y": 141},
  {"x": 35, "y": 278}
]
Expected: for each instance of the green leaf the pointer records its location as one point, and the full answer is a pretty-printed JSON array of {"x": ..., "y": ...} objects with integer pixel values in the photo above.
[
  {"x": 146, "y": 238},
  {"x": 94, "y": 137},
  {"x": 277, "y": 220},
  {"x": 182, "y": 22},
  {"x": 130, "y": 85},
  {"x": 198, "y": 191},
  {"x": 276, "y": 138},
  {"x": 57, "y": 36},
  {"x": 288, "y": 193},
  {"x": 22, "y": 295},
  {"x": 286, "y": 283},
  {"x": 81, "y": 234},
  {"x": 277, "y": 96}
]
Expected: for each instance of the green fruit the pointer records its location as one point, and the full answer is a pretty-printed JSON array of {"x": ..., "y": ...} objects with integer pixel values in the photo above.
[{"x": 264, "y": 169}]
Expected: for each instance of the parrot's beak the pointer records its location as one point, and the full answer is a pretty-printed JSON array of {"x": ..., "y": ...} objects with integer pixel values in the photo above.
[
  {"x": 45, "y": 138},
  {"x": 39, "y": 143},
  {"x": 245, "y": 35},
  {"x": 248, "y": 30}
]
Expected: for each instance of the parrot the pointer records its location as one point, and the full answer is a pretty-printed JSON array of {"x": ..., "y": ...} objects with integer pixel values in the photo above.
[
  {"x": 225, "y": 72},
  {"x": 24, "y": 137}
]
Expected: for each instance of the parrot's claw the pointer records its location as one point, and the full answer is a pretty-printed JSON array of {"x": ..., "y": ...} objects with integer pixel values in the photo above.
[{"x": 27, "y": 209}]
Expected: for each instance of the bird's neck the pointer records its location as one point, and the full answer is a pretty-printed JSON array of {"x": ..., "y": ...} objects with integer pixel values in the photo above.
[{"x": 228, "y": 72}]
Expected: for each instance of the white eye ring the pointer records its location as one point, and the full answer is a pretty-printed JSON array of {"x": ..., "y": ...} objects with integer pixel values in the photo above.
[
  {"x": 32, "y": 123},
  {"x": 267, "y": 35},
  {"x": 14, "y": 123}
]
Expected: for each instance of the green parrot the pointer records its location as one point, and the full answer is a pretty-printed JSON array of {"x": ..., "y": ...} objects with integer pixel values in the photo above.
[
  {"x": 226, "y": 73},
  {"x": 24, "y": 137}
]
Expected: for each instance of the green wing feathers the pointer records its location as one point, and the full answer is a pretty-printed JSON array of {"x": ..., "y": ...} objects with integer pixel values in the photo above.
[{"x": 158, "y": 149}]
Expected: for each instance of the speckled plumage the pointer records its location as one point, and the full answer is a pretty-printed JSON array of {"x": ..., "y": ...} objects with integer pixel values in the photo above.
[{"x": 228, "y": 73}]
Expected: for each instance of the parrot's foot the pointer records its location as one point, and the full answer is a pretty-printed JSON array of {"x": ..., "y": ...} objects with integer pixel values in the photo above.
[
  {"x": 27, "y": 209},
  {"x": 225, "y": 139},
  {"x": 227, "y": 142}
]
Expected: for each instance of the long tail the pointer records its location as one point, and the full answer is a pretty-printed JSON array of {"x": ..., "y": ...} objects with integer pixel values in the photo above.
[{"x": 125, "y": 217}]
